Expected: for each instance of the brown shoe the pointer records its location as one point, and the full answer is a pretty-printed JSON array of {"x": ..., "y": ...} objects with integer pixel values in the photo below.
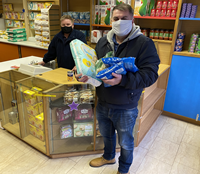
[
  {"x": 98, "y": 162},
  {"x": 123, "y": 173}
]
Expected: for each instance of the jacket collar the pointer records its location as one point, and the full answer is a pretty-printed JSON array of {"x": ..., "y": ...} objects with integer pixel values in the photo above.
[{"x": 135, "y": 32}]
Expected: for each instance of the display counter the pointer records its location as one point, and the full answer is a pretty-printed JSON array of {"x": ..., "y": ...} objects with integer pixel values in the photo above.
[{"x": 19, "y": 49}]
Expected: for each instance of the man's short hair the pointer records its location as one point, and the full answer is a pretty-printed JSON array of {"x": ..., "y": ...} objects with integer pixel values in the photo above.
[
  {"x": 124, "y": 7},
  {"x": 66, "y": 17}
]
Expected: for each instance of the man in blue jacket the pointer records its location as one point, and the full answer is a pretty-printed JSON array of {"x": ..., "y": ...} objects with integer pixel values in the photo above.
[
  {"x": 59, "y": 46},
  {"x": 117, "y": 105}
]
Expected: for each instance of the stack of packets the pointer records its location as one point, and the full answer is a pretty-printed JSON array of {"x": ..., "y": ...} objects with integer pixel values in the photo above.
[
  {"x": 34, "y": 107},
  {"x": 188, "y": 10},
  {"x": 3, "y": 34},
  {"x": 16, "y": 34},
  {"x": 194, "y": 42},
  {"x": 97, "y": 34},
  {"x": 108, "y": 65},
  {"x": 42, "y": 35},
  {"x": 179, "y": 42},
  {"x": 79, "y": 17},
  {"x": 103, "y": 11},
  {"x": 83, "y": 129},
  {"x": 14, "y": 23},
  {"x": 86, "y": 62}
]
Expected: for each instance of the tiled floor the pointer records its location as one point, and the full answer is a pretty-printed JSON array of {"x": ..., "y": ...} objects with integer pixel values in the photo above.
[{"x": 170, "y": 147}]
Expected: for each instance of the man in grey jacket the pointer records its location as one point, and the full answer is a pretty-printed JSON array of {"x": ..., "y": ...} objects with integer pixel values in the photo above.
[{"x": 117, "y": 105}]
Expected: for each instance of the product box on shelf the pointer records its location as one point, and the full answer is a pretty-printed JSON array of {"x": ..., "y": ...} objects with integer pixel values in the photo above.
[
  {"x": 105, "y": 14},
  {"x": 40, "y": 134},
  {"x": 9, "y": 23},
  {"x": 14, "y": 15},
  {"x": 8, "y": 15},
  {"x": 30, "y": 97},
  {"x": 63, "y": 113},
  {"x": 8, "y": 7},
  {"x": 84, "y": 112},
  {"x": 97, "y": 13},
  {"x": 31, "y": 120},
  {"x": 83, "y": 129},
  {"x": 32, "y": 130},
  {"x": 32, "y": 6},
  {"x": 40, "y": 5},
  {"x": 143, "y": 8},
  {"x": 32, "y": 109},
  {"x": 104, "y": 2},
  {"x": 66, "y": 131},
  {"x": 39, "y": 121}
]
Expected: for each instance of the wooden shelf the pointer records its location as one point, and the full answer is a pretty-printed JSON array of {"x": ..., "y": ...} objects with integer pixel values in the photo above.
[
  {"x": 97, "y": 25},
  {"x": 35, "y": 10},
  {"x": 13, "y": 128},
  {"x": 148, "y": 122},
  {"x": 15, "y": 19},
  {"x": 186, "y": 53},
  {"x": 164, "y": 41},
  {"x": 149, "y": 17},
  {"x": 35, "y": 142},
  {"x": 190, "y": 19},
  {"x": 163, "y": 68},
  {"x": 152, "y": 99}
]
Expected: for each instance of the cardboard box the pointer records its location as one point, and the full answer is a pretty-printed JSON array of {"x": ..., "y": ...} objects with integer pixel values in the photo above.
[{"x": 105, "y": 14}]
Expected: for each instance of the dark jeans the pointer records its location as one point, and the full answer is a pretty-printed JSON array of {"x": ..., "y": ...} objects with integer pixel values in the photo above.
[{"x": 123, "y": 121}]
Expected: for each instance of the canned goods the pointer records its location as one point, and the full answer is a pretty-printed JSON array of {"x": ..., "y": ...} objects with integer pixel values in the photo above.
[{"x": 70, "y": 76}]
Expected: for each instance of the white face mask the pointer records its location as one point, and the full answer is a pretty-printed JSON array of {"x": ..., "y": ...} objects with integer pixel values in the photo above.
[{"x": 122, "y": 27}]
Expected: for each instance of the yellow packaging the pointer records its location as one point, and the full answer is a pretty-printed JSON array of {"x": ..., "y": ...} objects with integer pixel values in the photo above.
[
  {"x": 48, "y": 4},
  {"x": 32, "y": 109},
  {"x": 30, "y": 97},
  {"x": 40, "y": 5},
  {"x": 40, "y": 107},
  {"x": 37, "y": 91},
  {"x": 40, "y": 121},
  {"x": 32, "y": 130},
  {"x": 40, "y": 134},
  {"x": 8, "y": 15},
  {"x": 8, "y": 7},
  {"x": 32, "y": 120}
]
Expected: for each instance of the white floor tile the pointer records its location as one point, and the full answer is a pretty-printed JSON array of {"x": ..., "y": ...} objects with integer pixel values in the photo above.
[
  {"x": 159, "y": 123},
  {"x": 153, "y": 166},
  {"x": 176, "y": 122},
  {"x": 163, "y": 150},
  {"x": 171, "y": 133},
  {"x": 178, "y": 168},
  {"x": 189, "y": 156}
]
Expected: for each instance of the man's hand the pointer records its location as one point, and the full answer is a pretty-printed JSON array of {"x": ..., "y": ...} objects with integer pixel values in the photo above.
[
  {"x": 79, "y": 77},
  {"x": 115, "y": 81},
  {"x": 41, "y": 63}
]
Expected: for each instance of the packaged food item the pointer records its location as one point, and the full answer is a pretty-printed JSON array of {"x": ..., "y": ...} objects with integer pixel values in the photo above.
[
  {"x": 29, "y": 97},
  {"x": 181, "y": 35},
  {"x": 156, "y": 34},
  {"x": 171, "y": 35},
  {"x": 48, "y": 4},
  {"x": 84, "y": 112},
  {"x": 32, "y": 130},
  {"x": 85, "y": 58},
  {"x": 66, "y": 131},
  {"x": 86, "y": 96},
  {"x": 174, "y": 5},
  {"x": 83, "y": 129},
  {"x": 32, "y": 6},
  {"x": 153, "y": 12},
  {"x": 163, "y": 13},
  {"x": 31, "y": 119},
  {"x": 158, "y": 12},
  {"x": 179, "y": 42},
  {"x": 40, "y": 134},
  {"x": 197, "y": 48},
  {"x": 97, "y": 13},
  {"x": 40, "y": 5},
  {"x": 168, "y": 13},
  {"x": 169, "y": 5},
  {"x": 70, "y": 76},
  {"x": 95, "y": 35},
  {"x": 104, "y": 2},
  {"x": 178, "y": 48},
  {"x": 159, "y": 5},
  {"x": 39, "y": 121},
  {"x": 16, "y": 24},
  {"x": 63, "y": 113},
  {"x": 151, "y": 35},
  {"x": 37, "y": 91},
  {"x": 9, "y": 23},
  {"x": 161, "y": 34},
  {"x": 164, "y": 5},
  {"x": 173, "y": 13},
  {"x": 40, "y": 107},
  {"x": 76, "y": 16},
  {"x": 32, "y": 109},
  {"x": 71, "y": 96},
  {"x": 193, "y": 11},
  {"x": 14, "y": 15},
  {"x": 20, "y": 15},
  {"x": 166, "y": 35},
  {"x": 8, "y": 15},
  {"x": 105, "y": 14},
  {"x": 8, "y": 7}
]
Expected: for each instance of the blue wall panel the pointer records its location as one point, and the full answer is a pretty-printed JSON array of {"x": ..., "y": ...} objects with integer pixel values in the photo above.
[{"x": 183, "y": 91}]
